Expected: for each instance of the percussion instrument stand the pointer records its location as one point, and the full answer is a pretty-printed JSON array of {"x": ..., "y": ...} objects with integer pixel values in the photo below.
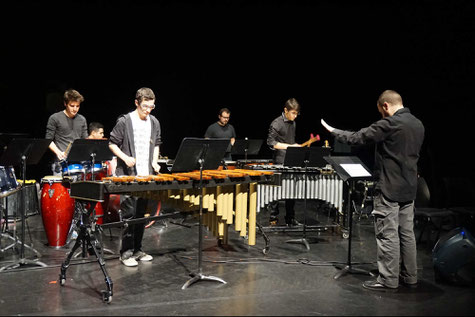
[
  {"x": 196, "y": 277},
  {"x": 23, "y": 261},
  {"x": 348, "y": 268},
  {"x": 87, "y": 239},
  {"x": 266, "y": 238},
  {"x": 304, "y": 239},
  {"x": 4, "y": 228}
]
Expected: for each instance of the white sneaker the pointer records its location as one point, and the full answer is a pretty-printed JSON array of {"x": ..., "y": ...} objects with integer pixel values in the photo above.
[
  {"x": 130, "y": 261},
  {"x": 142, "y": 256}
]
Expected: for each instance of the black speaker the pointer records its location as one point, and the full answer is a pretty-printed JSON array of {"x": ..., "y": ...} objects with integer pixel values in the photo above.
[{"x": 453, "y": 257}]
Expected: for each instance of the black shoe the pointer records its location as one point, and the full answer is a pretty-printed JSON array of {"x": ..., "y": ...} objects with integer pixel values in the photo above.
[
  {"x": 293, "y": 223},
  {"x": 374, "y": 285},
  {"x": 413, "y": 285}
]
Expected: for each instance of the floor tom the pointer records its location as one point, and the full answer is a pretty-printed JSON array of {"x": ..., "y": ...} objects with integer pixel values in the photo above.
[{"x": 8, "y": 182}]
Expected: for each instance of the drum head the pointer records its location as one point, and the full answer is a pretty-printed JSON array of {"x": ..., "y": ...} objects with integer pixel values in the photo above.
[{"x": 51, "y": 179}]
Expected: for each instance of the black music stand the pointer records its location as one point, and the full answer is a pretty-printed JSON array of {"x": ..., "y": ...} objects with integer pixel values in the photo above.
[
  {"x": 304, "y": 157},
  {"x": 350, "y": 169},
  {"x": 5, "y": 139},
  {"x": 22, "y": 152},
  {"x": 193, "y": 154},
  {"x": 93, "y": 150},
  {"x": 247, "y": 147}
]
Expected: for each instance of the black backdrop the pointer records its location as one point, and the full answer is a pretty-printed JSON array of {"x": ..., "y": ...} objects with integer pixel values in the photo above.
[{"x": 334, "y": 57}]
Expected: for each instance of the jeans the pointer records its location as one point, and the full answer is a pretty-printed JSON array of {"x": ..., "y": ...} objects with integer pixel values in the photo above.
[{"x": 395, "y": 240}]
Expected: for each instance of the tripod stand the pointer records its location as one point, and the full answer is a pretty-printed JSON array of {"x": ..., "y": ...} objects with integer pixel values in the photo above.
[
  {"x": 349, "y": 169},
  {"x": 88, "y": 240},
  {"x": 22, "y": 152},
  {"x": 91, "y": 150},
  {"x": 201, "y": 153}
]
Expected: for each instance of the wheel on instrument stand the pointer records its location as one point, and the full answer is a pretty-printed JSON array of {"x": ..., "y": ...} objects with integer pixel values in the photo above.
[
  {"x": 265, "y": 250},
  {"x": 106, "y": 297},
  {"x": 157, "y": 212},
  {"x": 62, "y": 275},
  {"x": 345, "y": 234}
]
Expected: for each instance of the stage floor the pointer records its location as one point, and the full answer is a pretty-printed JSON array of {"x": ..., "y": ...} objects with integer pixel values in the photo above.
[{"x": 288, "y": 280}]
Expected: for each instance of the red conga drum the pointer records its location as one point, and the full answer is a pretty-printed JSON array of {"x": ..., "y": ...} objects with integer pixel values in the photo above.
[{"x": 57, "y": 209}]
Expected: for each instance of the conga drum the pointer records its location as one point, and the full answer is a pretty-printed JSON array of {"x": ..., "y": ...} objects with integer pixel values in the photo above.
[
  {"x": 57, "y": 209},
  {"x": 76, "y": 170}
]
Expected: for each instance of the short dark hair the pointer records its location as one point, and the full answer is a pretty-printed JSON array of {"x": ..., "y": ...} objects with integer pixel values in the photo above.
[
  {"x": 144, "y": 93},
  {"x": 224, "y": 110},
  {"x": 292, "y": 104},
  {"x": 72, "y": 95},
  {"x": 390, "y": 96},
  {"x": 94, "y": 126}
]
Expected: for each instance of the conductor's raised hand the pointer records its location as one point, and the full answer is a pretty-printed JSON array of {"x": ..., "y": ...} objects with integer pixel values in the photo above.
[{"x": 327, "y": 126}]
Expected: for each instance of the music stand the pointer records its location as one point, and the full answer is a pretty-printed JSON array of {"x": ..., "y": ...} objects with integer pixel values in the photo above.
[
  {"x": 304, "y": 157},
  {"x": 5, "y": 139},
  {"x": 247, "y": 147},
  {"x": 350, "y": 169},
  {"x": 22, "y": 152},
  {"x": 193, "y": 154},
  {"x": 90, "y": 150}
]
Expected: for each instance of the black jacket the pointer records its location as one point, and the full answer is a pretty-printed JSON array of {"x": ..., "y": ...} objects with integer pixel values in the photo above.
[
  {"x": 398, "y": 141},
  {"x": 123, "y": 136}
]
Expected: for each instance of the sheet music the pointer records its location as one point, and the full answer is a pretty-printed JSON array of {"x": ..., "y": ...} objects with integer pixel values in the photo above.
[{"x": 355, "y": 170}]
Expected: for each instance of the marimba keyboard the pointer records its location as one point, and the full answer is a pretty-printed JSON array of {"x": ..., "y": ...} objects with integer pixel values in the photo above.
[{"x": 229, "y": 196}]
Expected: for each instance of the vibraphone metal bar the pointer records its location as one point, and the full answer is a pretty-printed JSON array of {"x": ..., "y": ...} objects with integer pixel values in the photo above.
[
  {"x": 229, "y": 196},
  {"x": 322, "y": 184}
]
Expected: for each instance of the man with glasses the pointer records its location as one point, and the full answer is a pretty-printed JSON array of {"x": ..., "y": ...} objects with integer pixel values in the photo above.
[
  {"x": 281, "y": 136},
  {"x": 135, "y": 140},
  {"x": 222, "y": 129},
  {"x": 65, "y": 126}
]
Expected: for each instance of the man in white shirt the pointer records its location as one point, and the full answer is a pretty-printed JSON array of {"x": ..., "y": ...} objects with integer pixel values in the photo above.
[{"x": 135, "y": 140}]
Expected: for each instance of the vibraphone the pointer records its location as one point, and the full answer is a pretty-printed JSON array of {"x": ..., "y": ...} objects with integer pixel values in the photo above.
[
  {"x": 322, "y": 183},
  {"x": 229, "y": 196}
]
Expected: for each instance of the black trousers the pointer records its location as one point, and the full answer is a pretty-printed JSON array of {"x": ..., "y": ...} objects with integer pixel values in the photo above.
[
  {"x": 132, "y": 208},
  {"x": 289, "y": 209}
]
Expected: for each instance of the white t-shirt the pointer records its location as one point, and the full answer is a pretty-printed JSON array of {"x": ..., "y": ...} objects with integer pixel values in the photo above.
[{"x": 142, "y": 133}]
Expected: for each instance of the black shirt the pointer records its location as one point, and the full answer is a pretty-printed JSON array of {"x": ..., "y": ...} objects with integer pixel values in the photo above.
[
  {"x": 281, "y": 130},
  {"x": 398, "y": 141},
  {"x": 216, "y": 130}
]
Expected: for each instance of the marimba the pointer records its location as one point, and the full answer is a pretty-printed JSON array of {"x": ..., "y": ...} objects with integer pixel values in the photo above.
[{"x": 229, "y": 196}]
